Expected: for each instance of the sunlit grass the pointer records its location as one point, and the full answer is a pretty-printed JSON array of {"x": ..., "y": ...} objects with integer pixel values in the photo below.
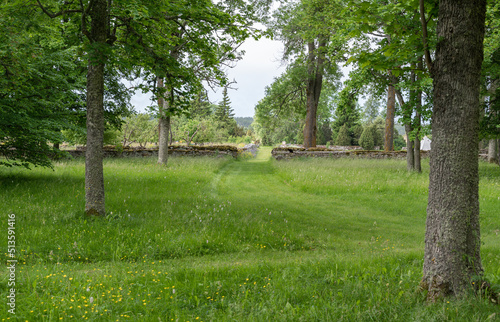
[{"x": 221, "y": 239}]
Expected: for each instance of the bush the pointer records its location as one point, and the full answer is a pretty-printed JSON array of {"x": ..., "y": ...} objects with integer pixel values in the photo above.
[
  {"x": 343, "y": 137},
  {"x": 357, "y": 130},
  {"x": 366, "y": 140}
]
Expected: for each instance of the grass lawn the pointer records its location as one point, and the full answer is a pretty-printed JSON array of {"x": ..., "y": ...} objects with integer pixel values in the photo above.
[{"x": 232, "y": 240}]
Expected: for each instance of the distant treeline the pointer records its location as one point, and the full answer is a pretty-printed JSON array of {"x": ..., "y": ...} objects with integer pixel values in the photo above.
[{"x": 244, "y": 122}]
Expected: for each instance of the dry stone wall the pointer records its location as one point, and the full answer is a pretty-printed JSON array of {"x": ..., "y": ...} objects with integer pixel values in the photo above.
[
  {"x": 283, "y": 153},
  {"x": 113, "y": 152}
]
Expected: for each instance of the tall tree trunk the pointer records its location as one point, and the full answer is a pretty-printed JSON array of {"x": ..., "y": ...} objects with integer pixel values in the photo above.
[
  {"x": 417, "y": 165},
  {"x": 493, "y": 151},
  {"x": 452, "y": 239},
  {"x": 418, "y": 121},
  {"x": 389, "y": 120},
  {"x": 163, "y": 125},
  {"x": 410, "y": 157},
  {"x": 94, "y": 172},
  {"x": 315, "y": 62},
  {"x": 408, "y": 111}
]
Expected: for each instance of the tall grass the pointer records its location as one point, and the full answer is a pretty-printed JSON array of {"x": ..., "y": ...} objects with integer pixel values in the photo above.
[{"x": 222, "y": 239}]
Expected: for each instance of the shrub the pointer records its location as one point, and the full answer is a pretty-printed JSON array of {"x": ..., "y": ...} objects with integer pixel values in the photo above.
[
  {"x": 343, "y": 137},
  {"x": 366, "y": 140}
]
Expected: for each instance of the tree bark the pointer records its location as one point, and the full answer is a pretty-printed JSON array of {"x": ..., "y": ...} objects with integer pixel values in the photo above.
[
  {"x": 452, "y": 240},
  {"x": 163, "y": 125},
  {"x": 389, "y": 120},
  {"x": 314, "y": 84},
  {"x": 408, "y": 111},
  {"x": 410, "y": 157},
  {"x": 493, "y": 151},
  {"x": 94, "y": 172},
  {"x": 417, "y": 164},
  {"x": 418, "y": 122},
  {"x": 416, "y": 154}
]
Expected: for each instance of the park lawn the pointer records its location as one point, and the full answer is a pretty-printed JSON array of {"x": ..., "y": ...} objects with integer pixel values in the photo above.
[{"x": 242, "y": 240}]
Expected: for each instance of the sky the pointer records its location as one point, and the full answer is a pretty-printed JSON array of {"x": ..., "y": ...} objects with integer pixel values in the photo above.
[{"x": 258, "y": 68}]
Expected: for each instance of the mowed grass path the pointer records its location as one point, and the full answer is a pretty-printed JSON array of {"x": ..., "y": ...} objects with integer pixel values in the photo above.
[{"x": 226, "y": 240}]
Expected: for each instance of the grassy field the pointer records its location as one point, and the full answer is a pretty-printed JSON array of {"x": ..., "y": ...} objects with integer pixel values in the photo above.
[{"x": 232, "y": 240}]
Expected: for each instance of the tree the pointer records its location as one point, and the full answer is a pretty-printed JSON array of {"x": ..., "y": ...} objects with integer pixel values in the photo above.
[
  {"x": 389, "y": 119},
  {"x": 346, "y": 112},
  {"x": 452, "y": 241},
  {"x": 140, "y": 129},
  {"x": 143, "y": 37},
  {"x": 386, "y": 44},
  {"x": 301, "y": 26},
  {"x": 281, "y": 114},
  {"x": 206, "y": 37},
  {"x": 366, "y": 140},
  {"x": 343, "y": 137},
  {"x": 40, "y": 87},
  {"x": 371, "y": 109}
]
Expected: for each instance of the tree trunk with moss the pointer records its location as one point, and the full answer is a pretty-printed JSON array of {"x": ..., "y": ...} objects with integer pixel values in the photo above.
[
  {"x": 452, "y": 240},
  {"x": 94, "y": 172}
]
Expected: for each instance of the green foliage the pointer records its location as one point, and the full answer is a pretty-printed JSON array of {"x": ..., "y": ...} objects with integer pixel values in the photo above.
[
  {"x": 244, "y": 122},
  {"x": 222, "y": 241},
  {"x": 140, "y": 129},
  {"x": 324, "y": 132},
  {"x": 378, "y": 130},
  {"x": 399, "y": 141},
  {"x": 78, "y": 136},
  {"x": 280, "y": 115},
  {"x": 490, "y": 120},
  {"x": 38, "y": 87},
  {"x": 224, "y": 116},
  {"x": 204, "y": 122},
  {"x": 366, "y": 140},
  {"x": 343, "y": 137},
  {"x": 371, "y": 109}
]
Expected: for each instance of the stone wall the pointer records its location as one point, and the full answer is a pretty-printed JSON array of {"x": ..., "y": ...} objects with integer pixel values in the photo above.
[
  {"x": 112, "y": 152},
  {"x": 294, "y": 152}
]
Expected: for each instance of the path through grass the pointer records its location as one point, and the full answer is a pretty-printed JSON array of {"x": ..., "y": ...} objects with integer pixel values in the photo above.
[{"x": 246, "y": 240}]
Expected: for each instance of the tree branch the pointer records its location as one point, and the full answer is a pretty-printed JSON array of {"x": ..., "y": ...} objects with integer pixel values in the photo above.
[
  {"x": 400, "y": 97},
  {"x": 428, "y": 60},
  {"x": 85, "y": 30},
  {"x": 57, "y": 14},
  {"x": 377, "y": 35}
]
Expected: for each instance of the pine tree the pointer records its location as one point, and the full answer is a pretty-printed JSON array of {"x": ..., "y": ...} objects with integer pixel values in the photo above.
[
  {"x": 224, "y": 112},
  {"x": 224, "y": 115}
]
